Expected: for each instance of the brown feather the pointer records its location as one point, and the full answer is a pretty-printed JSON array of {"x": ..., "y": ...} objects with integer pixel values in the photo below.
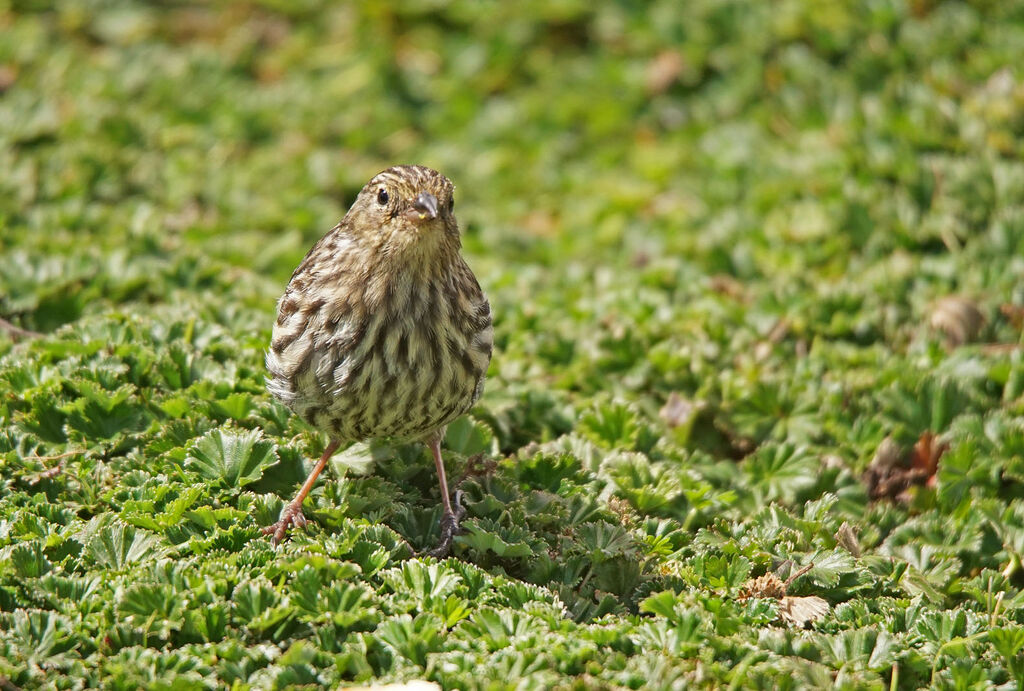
[{"x": 383, "y": 330}]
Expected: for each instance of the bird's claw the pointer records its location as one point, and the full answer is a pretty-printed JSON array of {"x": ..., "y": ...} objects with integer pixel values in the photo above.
[
  {"x": 449, "y": 529},
  {"x": 292, "y": 515}
]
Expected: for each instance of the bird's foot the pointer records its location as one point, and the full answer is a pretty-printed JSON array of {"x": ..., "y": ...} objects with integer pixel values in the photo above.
[
  {"x": 292, "y": 515},
  {"x": 449, "y": 529}
]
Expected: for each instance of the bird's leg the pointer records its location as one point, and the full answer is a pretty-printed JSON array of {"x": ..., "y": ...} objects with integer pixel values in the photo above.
[
  {"x": 292, "y": 513},
  {"x": 449, "y": 519}
]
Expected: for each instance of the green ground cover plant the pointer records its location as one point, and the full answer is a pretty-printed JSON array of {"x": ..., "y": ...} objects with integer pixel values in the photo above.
[{"x": 757, "y": 271}]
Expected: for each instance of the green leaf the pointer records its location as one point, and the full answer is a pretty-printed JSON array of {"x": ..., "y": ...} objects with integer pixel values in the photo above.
[
  {"x": 497, "y": 628},
  {"x": 235, "y": 406},
  {"x": 612, "y": 424},
  {"x": 469, "y": 437},
  {"x": 29, "y": 560},
  {"x": 603, "y": 541},
  {"x": 411, "y": 638},
  {"x": 234, "y": 458},
  {"x": 661, "y": 604},
  {"x": 117, "y": 545},
  {"x": 427, "y": 585},
  {"x": 483, "y": 540},
  {"x": 144, "y": 515},
  {"x": 253, "y": 597},
  {"x": 143, "y": 601},
  {"x": 100, "y": 414},
  {"x": 1008, "y": 642}
]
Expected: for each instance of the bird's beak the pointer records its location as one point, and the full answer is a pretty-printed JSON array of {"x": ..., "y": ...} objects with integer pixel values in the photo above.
[{"x": 426, "y": 205}]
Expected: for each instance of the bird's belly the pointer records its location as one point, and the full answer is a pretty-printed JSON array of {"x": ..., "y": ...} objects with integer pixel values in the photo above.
[
  {"x": 379, "y": 394},
  {"x": 401, "y": 369}
]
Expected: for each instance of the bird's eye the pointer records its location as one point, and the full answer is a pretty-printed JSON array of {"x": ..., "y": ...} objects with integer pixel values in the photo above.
[
  {"x": 382, "y": 196},
  {"x": 451, "y": 203}
]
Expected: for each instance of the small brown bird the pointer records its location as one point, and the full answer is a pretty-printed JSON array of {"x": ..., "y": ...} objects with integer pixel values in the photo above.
[{"x": 383, "y": 330}]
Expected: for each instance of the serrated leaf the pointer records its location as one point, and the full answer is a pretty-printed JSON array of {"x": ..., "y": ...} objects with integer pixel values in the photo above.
[
  {"x": 252, "y": 598},
  {"x": 101, "y": 414},
  {"x": 29, "y": 560},
  {"x": 147, "y": 600},
  {"x": 468, "y": 437},
  {"x": 604, "y": 541},
  {"x": 235, "y": 458},
  {"x": 427, "y": 584},
  {"x": 660, "y": 604},
  {"x": 118, "y": 545},
  {"x": 235, "y": 406},
  {"x": 412, "y": 638},
  {"x": 480, "y": 539},
  {"x": 172, "y": 513}
]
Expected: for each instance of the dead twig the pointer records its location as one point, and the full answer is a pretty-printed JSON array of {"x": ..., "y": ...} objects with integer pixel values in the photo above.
[
  {"x": 16, "y": 332},
  {"x": 797, "y": 574},
  {"x": 55, "y": 457},
  {"x": 53, "y": 472}
]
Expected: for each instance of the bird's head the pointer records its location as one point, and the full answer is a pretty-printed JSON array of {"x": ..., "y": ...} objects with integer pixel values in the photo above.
[{"x": 408, "y": 211}]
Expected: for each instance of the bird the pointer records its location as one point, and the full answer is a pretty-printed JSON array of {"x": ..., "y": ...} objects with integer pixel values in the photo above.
[{"x": 383, "y": 330}]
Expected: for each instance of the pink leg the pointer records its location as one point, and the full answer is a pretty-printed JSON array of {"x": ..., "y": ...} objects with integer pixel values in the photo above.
[
  {"x": 292, "y": 513},
  {"x": 435, "y": 449},
  {"x": 449, "y": 518}
]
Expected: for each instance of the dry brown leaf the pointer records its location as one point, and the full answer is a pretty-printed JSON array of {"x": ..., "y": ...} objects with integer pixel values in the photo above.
[
  {"x": 801, "y": 611},
  {"x": 1015, "y": 313},
  {"x": 728, "y": 286},
  {"x": 927, "y": 452},
  {"x": 540, "y": 224},
  {"x": 768, "y": 585},
  {"x": 888, "y": 456},
  {"x": 663, "y": 71},
  {"x": 958, "y": 318},
  {"x": 8, "y": 75},
  {"x": 846, "y": 536},
  {"x": 892, "y": 471},
  {"x": 678, "y": 411}
]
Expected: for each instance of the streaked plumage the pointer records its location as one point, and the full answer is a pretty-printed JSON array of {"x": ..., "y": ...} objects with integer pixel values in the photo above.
[{"x": 383, "y": 330}]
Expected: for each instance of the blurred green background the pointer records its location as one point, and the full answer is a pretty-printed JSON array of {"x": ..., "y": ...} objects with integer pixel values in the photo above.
[{"x": 787, "y": 140}]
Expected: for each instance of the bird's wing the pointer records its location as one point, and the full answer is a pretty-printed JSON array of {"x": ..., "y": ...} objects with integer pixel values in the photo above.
[{"x": 312, "y": 320}]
